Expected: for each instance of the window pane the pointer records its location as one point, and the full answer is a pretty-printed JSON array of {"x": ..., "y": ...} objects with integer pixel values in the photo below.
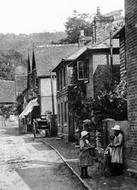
[{"x": 83, "y": 69}]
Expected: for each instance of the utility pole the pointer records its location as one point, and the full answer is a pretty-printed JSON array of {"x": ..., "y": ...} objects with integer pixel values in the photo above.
[
  {"x": 111, "y": 56},
  {"x": 94, "y": 31},
  {"x": 53, "y": 106},
  {"x": 52, "y": 93}
]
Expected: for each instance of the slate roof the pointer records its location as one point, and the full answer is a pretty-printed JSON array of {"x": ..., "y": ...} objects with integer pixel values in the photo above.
[
  {"x": 48, "y": 57},
  {"x": 103, "y": 45},
  {"x": 76, "y": 54},
  {"x": 7, "y": 91}
]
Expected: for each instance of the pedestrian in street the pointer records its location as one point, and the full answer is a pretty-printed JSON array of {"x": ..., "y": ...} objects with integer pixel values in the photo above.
[
  {"x": 117, "y": 151},
  {"x": 86, "y": 154}
]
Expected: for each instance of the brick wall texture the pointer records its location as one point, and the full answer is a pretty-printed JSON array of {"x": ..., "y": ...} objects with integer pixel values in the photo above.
[
  {"x": 122, "y": 52},
  {"x": 131, "y": 55}
]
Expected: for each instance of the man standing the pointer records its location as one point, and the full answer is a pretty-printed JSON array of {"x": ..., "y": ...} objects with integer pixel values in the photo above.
[{"x": 117, "y": 151}]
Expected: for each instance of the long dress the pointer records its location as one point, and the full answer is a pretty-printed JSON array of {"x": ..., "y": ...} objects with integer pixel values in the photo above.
[
  {"x": 117, "y": 150},
  {"x": 86, "y": 154}
]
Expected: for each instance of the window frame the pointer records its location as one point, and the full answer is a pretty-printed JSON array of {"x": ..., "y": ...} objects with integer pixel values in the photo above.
[{"x": 85, "y": 70}]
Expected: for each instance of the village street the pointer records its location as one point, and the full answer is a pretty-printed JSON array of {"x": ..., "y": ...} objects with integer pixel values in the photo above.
[{"x": 30, "y": 165}]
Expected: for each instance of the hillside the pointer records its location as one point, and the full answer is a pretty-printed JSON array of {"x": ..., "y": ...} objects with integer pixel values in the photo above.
[
  {"x": 14, "y": 49},
  {"x": 24, "y": 41}
]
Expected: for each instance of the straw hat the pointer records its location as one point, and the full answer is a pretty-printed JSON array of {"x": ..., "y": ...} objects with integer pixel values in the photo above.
[
  {"x": 116, "y": 127},
  {"x": 83, "y": 134}
]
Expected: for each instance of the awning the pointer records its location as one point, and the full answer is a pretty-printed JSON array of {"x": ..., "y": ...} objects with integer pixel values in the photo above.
[{"x": 29, "y": 108}]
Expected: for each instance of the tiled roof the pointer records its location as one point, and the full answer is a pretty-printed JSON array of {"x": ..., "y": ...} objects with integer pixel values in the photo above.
[
  {"x": 77, "y": 54},
  {"x": 48, "y": 57},
  {"x": 7, "y": 92},
  {"x": 103, "y": 45}
]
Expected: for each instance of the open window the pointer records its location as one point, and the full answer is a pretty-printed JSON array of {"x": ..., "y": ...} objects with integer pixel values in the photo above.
[{"x": 82, "y": 69}]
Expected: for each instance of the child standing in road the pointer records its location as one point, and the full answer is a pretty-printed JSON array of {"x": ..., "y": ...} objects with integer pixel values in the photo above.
[{"x": 86, "y": 154}]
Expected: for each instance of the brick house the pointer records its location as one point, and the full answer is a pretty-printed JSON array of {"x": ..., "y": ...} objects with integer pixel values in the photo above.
[
  {"x": 131, "y": 61},
  {"x": 82, "y": 66},
  {"x": 127, "y": 36}
]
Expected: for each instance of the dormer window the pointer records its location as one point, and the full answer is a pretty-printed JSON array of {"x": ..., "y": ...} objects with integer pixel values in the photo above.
[{"x": 82, "y": 70}]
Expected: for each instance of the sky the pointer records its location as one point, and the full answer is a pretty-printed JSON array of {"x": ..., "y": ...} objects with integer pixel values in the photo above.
[{"x": 30, "y": 16}]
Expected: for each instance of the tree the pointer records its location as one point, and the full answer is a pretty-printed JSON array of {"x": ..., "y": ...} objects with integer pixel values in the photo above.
[
  {"x": 73, "y": 25},
  {"x": 8, "y": 62}
]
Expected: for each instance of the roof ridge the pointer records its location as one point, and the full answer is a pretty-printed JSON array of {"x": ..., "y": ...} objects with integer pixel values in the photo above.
[
  {"x": 7, "y": 80},
  {"x": 57, "y": 45},
  {"x": 98, "y": 43}
]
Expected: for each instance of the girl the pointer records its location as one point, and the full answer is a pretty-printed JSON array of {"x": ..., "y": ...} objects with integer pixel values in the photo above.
[{"x": 86, "y": 154}]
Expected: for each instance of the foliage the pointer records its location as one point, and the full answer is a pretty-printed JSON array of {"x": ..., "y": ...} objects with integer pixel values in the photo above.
[
  {"x": 109, "y": 104},
  {"x": 73, "y": 25},
  {"x": 77, "y": 106},
  {"x": 8, "y": 61},
  {"x": 113, "y": 103},
  {"x": 6, "y": 110}
]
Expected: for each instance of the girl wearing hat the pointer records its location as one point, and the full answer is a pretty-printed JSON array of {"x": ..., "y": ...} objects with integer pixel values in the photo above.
[
  {"x": 117, "y": 151},
  {"x": 86, "y": 156}
]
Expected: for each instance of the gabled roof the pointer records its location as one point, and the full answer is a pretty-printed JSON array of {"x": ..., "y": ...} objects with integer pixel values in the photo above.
[
  {"x": 103, "y": 45},
  {"x": 48, "y": 57},
  {"x": 76, "y": 54},
  {"x": 7, "y": 91}
]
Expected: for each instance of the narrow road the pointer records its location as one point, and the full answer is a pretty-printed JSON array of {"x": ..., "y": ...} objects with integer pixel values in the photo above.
[{"x": 26, "y": 164}]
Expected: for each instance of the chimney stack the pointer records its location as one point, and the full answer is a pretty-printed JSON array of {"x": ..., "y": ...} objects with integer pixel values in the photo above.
[
  {"x": 98, "y": 11},
  {"x": 81, "y": 38}
]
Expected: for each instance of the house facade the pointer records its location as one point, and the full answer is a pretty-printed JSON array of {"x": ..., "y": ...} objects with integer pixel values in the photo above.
[
  {"x": 127, "y": 36},
  {"x": 120, "y": 34},
  {"x": 80, "y": 69},
  {"x": 47, "y": 57},
  {"x": 41, "y": 82}
]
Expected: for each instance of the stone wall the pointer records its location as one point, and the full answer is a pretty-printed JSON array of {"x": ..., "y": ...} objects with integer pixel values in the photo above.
[{"x": 131, "y": 55}]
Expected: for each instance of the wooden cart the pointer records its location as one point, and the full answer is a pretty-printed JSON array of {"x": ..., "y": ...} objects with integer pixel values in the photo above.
[{"x": 41, "y": 128}]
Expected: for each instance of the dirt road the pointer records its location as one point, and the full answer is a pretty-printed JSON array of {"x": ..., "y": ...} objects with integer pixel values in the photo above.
[{"x": 26, "y": 164}]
